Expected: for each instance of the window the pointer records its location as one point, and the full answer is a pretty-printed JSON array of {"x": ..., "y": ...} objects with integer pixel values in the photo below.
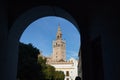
[
  {"x": 67, "y": 73},
  {"x": 67, "y": 79},
  {"x": 57, "y": 37}
]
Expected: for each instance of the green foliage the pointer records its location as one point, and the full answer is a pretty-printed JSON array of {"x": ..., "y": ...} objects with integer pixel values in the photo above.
[
  {"x": 59, "y": 75},
  {"x": 32, "y": 67},
  {"x": 41, "y": 61},
  {"x": 49, "y": 71}
]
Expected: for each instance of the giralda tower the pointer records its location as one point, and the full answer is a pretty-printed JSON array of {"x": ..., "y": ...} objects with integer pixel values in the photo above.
[{"x": 59, "y": 47}]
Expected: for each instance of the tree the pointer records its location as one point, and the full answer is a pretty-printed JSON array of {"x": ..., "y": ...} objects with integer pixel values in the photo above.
[
  {"x": 28, "y": 69},
  {"x": 32, "y": 67},
  {"x": 59, "y": 75},
  {"x": 49, "y": 72}
]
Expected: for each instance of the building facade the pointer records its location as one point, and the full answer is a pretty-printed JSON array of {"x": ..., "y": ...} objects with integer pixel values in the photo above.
[{"x": 58, "y": 58}]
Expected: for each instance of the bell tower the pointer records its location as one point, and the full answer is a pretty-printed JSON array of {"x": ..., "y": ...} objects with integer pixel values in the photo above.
[{"x": 59, "y": 47}]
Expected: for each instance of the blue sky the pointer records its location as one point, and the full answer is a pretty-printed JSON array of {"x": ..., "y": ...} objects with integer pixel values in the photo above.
[{"x": 42, "y": 32}]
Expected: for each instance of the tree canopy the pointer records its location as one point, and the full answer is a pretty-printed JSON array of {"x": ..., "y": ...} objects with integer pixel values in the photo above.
[{"x": 32, "y": 67}]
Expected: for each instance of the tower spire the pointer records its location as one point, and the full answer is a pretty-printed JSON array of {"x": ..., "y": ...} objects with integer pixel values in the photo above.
[
  {"x": 59, "y": 47},
  {"x": 59, "y": 33}
]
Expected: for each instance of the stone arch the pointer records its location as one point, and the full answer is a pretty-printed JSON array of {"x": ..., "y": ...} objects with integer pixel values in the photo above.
[{"x": 21, "y": 24}]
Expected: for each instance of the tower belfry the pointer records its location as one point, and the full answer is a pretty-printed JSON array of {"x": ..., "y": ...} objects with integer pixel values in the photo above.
[{"x": 59, "y": 47}]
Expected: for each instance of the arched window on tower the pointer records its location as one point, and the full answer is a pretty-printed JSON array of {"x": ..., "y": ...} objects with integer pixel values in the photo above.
[{"x": 57, "y": 37}]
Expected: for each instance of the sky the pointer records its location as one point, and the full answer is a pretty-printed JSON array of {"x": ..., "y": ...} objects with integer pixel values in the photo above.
[{"x": 42, "y": 32}]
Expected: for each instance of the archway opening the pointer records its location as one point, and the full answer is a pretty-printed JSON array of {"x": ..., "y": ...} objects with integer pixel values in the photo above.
[
  {"x": 57, "y": 40},
  {"x": 21, "y": 24}
]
